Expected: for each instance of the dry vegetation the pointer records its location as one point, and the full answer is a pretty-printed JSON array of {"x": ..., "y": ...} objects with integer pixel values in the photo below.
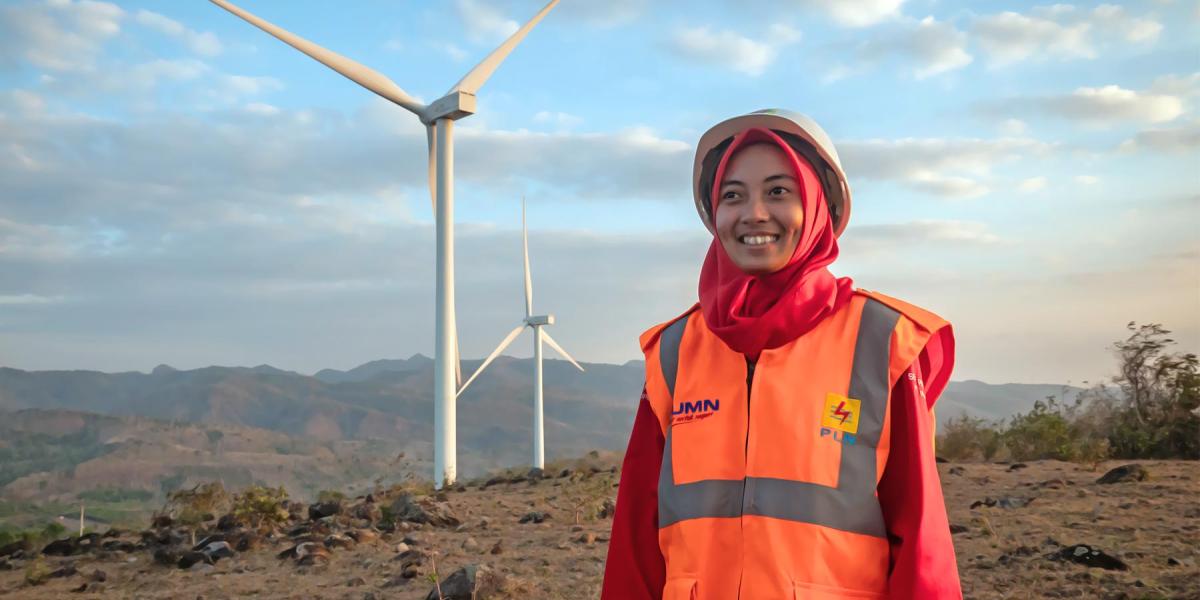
[{"x": 370, "y": 550}]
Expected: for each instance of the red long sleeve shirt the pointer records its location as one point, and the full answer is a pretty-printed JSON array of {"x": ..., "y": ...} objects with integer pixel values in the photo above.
[{"x": 922, "y": 563}]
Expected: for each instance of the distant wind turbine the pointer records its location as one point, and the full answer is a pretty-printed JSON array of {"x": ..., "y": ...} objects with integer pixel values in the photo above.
[
  {"x": 438, "y": 117},
  {"x": 536, "y": 322}
]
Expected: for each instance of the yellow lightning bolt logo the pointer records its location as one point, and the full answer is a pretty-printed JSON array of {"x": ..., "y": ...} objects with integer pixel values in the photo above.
[{"x": 841, "y": 413}]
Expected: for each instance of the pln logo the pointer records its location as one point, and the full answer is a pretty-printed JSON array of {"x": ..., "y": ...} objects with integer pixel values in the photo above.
[
  {"x": 840, "y": 418},
  {"x": 688, "y": 412}
]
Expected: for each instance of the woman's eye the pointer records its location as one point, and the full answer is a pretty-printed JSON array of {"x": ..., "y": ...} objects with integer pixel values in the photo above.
[
  {"x": 729, "y": 195},
  {"x": 778, "y": 190}
]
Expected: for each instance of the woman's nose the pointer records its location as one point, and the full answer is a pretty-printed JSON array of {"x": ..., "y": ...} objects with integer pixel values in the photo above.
[{"x": 756, "y": 210}]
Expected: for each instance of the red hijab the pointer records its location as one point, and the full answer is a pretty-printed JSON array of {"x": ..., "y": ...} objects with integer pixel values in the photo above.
[{"x": 754, "y": 313}]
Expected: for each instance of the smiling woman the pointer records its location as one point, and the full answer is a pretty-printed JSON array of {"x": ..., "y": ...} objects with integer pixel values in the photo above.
[{"x": 783, "y": 446}]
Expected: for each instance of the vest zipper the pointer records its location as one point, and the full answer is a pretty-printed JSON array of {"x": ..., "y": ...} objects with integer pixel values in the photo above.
[{"x": 745, "y": 462}]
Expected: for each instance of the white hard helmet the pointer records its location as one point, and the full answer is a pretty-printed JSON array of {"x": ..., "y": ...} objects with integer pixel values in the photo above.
[{"x": 815, "y": 146}]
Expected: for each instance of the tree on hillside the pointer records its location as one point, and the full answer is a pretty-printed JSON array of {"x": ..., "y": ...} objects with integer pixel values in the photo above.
[{"x": 1157, "y": 412}]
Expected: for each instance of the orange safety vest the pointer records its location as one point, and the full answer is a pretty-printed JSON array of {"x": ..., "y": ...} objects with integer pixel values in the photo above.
[{"x": 767, "y": 486}]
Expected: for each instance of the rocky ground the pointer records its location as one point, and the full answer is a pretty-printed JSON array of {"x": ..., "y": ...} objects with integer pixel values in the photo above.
[{"x": 1042, "y": 530}]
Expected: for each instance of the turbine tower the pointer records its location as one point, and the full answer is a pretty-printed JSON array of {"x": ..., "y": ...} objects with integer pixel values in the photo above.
[
  {"x": 438, "y": 117},
  {"x": 535, "y": 322}
]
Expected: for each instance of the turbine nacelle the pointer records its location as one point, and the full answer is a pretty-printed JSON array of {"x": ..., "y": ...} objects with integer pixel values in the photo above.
[
  {"x": 538, "y": 320},
  {"x": 453, "y": 106}
]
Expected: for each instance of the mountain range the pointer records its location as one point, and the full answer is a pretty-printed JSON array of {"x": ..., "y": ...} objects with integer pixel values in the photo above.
[{"x": 165, "y": 421}]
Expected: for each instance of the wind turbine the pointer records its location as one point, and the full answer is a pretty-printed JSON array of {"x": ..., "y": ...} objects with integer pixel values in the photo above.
[
  {"x": 438, "y": 117},
  {"x": 536, "y": 322}
]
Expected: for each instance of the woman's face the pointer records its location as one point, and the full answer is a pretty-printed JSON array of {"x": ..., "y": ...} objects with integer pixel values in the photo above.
[{"x": 760, "y": 214}]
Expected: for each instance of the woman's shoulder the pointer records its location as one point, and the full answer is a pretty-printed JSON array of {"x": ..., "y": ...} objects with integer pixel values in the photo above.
[
  {"x": 922, "y": 316},
  {"x": 650, "y": 336}
]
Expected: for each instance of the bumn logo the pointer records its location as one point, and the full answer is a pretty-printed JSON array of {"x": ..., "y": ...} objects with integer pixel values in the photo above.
[{"x": 687, "y": 412}]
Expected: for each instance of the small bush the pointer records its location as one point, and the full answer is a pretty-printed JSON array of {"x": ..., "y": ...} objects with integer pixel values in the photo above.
[
  {"x": 330, "y": 496},
  {"x": 37, "y": 572},
  {"x": 968, "y": 438},
  {"x": 193, "y": 507},
  {"x": 53, "y": 530},
  {"x": 261, "y": 508},
  {"x": 1043, "y": 432}
]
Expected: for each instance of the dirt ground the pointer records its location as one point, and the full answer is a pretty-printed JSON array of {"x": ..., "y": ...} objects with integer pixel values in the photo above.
[{"x": 1153, "y": 526}]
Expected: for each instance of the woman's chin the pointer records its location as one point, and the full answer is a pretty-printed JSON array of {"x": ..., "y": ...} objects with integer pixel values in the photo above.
[{"x": 757, "y": 266}]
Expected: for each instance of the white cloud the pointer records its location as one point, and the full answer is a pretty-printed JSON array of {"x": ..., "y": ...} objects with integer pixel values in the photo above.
[
  {"x": 202, "y": 43},
  {"x": 1134, "y": 29},
  {"x": 63, "y": 35},
  {"x": 1166, "y": 99},
  {"x": 858, "y": 13},
  {"x": 15, "y": 299},
  {"x": 23, "y": 101},
  {"x": 894, "y": 237},
  {"x": 1182, "y": 138},
  {"x": 936, "y": 47},
  {"x": 454, "y": 51},
  {"x": 1184, "y": 86},
  {"x": 484, "y": 21},
  {"x": 261, "y": 108},
  {"x": 782, "y": 33},
  {"x": 1109, "y": 104},
  {"x": 604, "y": 14},
  {"x": 242, "y": 85},
  {"x": 1031, "y": 185},
  {"x": 949, "y": 186},
  {"x": 730, "y": 49},
  {"x": 1010, "y": 37},
  {"x": 1013, "y": 127},
  {"x": 1087, "y": 179},
  {"x": 837, "y": 72},
  {"x": 948, "y": 167},
  {"x": 561, "y": 120},
  {"x": 1059, "y": 31}
]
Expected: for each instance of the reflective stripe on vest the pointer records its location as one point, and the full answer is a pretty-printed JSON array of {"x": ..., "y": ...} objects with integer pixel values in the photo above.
[{"x": 852, "y": 506}]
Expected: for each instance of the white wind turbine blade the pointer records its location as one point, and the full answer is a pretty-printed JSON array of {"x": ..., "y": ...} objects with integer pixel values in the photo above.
[
  {"x": 476, "y": 78},
  {"x": 554, "y": 344},
  {"x": 512, "y": 335},
  {"x": 352, "y": 70},
  {"x": 525, "y": 246},
  {"x": 431, "y": 144}
]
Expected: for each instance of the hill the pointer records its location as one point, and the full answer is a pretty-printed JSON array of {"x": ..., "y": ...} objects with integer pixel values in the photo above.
[{"x": 64, "y": 433}]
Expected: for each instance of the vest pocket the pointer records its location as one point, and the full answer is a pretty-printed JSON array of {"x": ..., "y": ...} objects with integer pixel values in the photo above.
[
  {"x": 680, "y": 589},
  {"x": 812, "y": 591}
]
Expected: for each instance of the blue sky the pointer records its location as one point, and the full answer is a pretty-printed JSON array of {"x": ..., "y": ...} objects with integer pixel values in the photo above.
[{"x": 178, "y": 187}]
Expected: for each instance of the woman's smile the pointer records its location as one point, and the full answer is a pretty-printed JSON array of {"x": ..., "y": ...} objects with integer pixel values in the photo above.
[{"x": 758, "y": 240}]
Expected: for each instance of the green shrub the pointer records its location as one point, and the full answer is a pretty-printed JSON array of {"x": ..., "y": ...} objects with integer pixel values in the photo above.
[
  {"x": 968, "y": 438},
  {"x": 37, "y": 572},
  {"x": 261, "y": 508},
  {"x": 53, "y": 531},
  {"x": 1043, "y": 432},
  {"x": 330, "y": 496}
]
